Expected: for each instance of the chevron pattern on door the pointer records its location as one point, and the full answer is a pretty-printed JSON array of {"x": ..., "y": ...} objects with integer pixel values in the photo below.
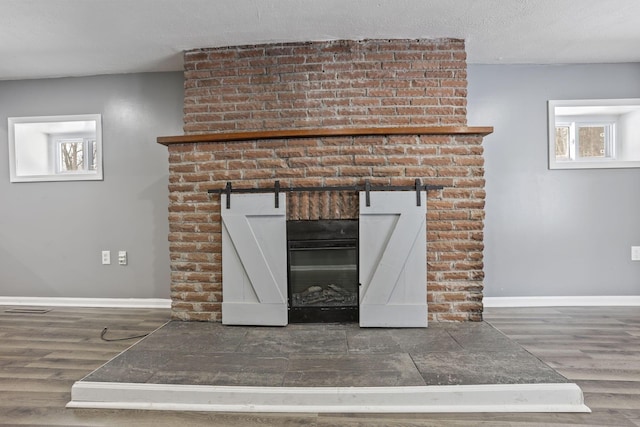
[
  {"x": 393, "y": 252},
  {"x": 254, "y": 260}
]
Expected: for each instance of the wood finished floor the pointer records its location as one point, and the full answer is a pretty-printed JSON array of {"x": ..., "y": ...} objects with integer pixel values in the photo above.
[{"x": 42, "y": 355}]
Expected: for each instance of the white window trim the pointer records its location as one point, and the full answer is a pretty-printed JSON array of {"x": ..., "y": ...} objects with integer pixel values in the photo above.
[
  {"x": 591, "y": 163},
  {"x": 54, "y": 174}
]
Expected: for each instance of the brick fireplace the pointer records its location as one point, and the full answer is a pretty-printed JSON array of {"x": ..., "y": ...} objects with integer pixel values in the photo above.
[{"x": 325, "y": 114}]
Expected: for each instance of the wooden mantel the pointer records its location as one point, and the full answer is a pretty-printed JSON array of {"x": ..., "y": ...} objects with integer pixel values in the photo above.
[{"x": 324, "y": 132}]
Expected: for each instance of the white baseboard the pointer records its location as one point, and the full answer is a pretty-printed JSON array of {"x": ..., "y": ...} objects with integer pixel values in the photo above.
[
  {"x": 562, "y": 301},
  {"x": 559, "y": 301},
  {"x": 561, "y": 397},
  {"x": 88, "y": 302}
]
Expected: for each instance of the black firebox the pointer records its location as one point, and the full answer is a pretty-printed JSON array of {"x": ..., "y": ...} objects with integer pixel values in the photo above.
[{"x": 323, "y": 271}]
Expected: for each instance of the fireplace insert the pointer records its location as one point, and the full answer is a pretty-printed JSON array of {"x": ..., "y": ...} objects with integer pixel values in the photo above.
[{"x": 323, "y": 271}]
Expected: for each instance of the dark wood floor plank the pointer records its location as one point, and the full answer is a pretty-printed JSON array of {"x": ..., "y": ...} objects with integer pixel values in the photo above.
[
  {"x": 629, "y": 387},
  {"x": 35, "y": 384}
]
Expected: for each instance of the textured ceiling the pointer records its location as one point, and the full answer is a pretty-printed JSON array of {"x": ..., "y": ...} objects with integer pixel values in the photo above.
[{"x": 52, "y": 38}]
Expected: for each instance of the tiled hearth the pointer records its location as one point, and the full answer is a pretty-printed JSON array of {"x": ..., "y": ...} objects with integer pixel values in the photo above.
[{"x": 449, "y": 367}]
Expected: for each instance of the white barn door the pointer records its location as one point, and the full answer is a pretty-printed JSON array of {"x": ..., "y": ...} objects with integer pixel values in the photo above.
[
  {"x": 393, "y": 257},
  {"x": 254, "y": 260}
]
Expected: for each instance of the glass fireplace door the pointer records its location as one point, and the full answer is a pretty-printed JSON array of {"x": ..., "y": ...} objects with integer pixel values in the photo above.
[
  {"x": 323, "y": 271},
  {"x": 324, "y": 276}
]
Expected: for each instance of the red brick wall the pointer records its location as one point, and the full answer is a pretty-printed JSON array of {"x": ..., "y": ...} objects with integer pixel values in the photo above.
[{"x": 328, "y": 84}]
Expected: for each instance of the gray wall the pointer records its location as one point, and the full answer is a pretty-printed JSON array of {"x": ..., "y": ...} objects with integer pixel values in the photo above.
[
  {"x": 548, "y": 233},
  {"x": 560, "y": 232},
  {"x": 52, "y": 233}
]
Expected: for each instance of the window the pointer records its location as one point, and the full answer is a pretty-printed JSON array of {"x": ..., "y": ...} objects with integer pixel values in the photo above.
[
  {"x": 55, "y": 148},
  {"x": 594, "y": 134},
  {"x": 595, "y": 141},
  {"x": 579, "y": 141},
  {"x": 563, "y": 138},
  {"x": 75, "y": 155}
]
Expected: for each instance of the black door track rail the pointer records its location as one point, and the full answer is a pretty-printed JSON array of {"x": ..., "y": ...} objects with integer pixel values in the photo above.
[{"x": 367, "y": 188}]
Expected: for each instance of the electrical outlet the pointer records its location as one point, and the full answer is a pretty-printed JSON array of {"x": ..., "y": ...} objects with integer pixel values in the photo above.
[
  {"x": 122, "y": 257},
  {"x": 635, "y": 253},
  {"x": 106, "y": 257}
]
